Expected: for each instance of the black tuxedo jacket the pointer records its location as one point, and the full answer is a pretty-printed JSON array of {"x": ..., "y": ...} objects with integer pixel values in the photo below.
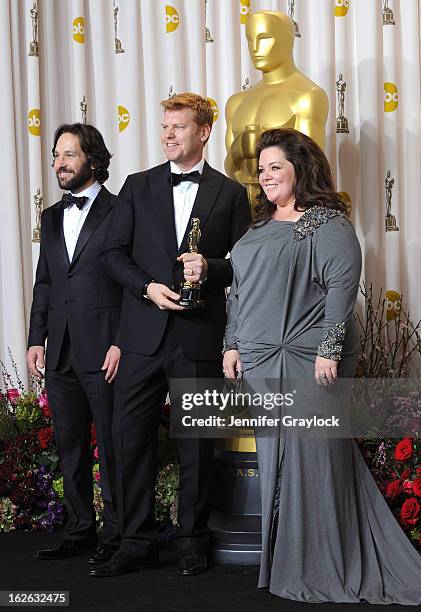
[
  {"x": 76, "y": 294},
  {"x": 141, "y": 246}
]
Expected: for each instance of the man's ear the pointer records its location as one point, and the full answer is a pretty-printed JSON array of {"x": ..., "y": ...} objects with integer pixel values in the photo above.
[{"x": 206, "y": 130}]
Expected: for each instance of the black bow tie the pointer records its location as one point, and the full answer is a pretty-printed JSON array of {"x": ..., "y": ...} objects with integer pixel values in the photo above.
[
  {"x": 68, "y": 200},
  {"x": 193, "y": 177}
]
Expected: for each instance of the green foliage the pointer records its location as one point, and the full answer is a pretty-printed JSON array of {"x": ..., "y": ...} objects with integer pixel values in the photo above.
[
  {"x": 58, "y": 487},
  {"x": 166, "y": 494},
  {"x": 7, "y": 514},
  {"x": 8, "y": 429},
  {"x": 28, "y": 412}
]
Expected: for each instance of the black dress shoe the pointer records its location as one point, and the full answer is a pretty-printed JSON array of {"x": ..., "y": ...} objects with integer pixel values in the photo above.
[
  {"x": 122, "y": 563},
  {"x": 192, "y": 562},
  {"x": 66, "y": 549},
  {"x": 103, "y": 553}
]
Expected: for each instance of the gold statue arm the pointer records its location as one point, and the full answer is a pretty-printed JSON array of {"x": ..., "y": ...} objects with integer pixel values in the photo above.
[
  {"x": 235, "y": 155},
  {"x": 312, "y": 111}
]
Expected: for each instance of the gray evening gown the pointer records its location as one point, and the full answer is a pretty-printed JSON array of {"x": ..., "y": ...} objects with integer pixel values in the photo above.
[{"x": 328, "y": 534}]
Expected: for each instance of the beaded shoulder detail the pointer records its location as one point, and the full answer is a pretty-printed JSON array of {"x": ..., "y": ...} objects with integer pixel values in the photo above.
[{"x": 313, "y": 218}]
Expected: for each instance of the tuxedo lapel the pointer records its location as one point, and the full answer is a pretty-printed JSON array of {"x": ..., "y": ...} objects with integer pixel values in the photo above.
[
  {"x": 205, "y": 200},
  {"x": 59, "y": 235},
  {"x": 99, "y": 209},
  {"x": 163, "y": 207}
]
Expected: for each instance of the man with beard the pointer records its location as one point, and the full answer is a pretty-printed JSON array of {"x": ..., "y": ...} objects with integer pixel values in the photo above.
[{"x": 77, "y": 308}]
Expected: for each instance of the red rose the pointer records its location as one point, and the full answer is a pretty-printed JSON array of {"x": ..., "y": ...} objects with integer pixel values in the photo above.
[
  {"x": 418, "y": 471},
  {"x": 406, "y": 473},
  {"x": 44, "y": 436},
  {"x": 404, "y": 449},
  {"x": 407, "y": 487},
  {"x": 416, "y": 486},
  {"x": 12, "y": 395},
  {"x": 393, "y": 489},
  {"x": 410, "y": 511}
]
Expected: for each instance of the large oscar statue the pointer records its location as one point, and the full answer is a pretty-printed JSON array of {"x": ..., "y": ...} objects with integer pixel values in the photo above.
[{"x": 284, "y": 97}]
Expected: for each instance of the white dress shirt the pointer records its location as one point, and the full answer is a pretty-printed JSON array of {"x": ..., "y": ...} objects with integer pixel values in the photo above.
[
  {"x": 74, "y": 218},
  {"x": 184, "y": 195}
]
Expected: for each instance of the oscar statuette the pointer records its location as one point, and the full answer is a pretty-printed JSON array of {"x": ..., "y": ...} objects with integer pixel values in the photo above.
[
  {"x": 34, "y": 45},
  {"x": 190, "y": 292},
  {"x": 36, "y": 232},
  {"x": 390, "y": 220}
]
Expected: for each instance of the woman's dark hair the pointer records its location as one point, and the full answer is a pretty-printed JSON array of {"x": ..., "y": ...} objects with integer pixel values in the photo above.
[
  {"x": 91, "y": 143},
  {"x": 313, "y": 179}
]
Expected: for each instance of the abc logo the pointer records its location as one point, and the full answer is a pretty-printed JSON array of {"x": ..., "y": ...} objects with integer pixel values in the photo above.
[
  {"x": 347, "y": 201},
  {"x": 393, "y": 305},
  {"x": 391, "y": 97},
  {"x": 123, "y": 118},
  {"x": 34, "y": 122},
  {"x": 341, "y": 7},
  {"x": 245, "y": 11},
  {"x": 79, "y": 30},
  {"x": 172, "y": 19},
  {"x": 214, "y": 108}
]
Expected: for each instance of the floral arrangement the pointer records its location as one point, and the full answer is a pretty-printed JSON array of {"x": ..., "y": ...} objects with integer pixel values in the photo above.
[
  {"x": 31, "y": 484},
  {"x": 396, "y": 467},
  {"x": 29, "y": 461},
  {"x": 388, "y": 346}
]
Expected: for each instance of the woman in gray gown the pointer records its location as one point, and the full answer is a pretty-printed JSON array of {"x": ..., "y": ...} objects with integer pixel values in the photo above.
[{"x": 328, "y": 534}]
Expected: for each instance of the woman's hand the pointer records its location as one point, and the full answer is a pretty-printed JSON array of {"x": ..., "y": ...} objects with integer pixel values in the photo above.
[
  {"x": 231, "y": 364},
  {"x": 325, "y": 371}
]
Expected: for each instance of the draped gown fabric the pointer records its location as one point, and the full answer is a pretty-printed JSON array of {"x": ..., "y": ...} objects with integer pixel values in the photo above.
[{"x": 327, "y": 532}]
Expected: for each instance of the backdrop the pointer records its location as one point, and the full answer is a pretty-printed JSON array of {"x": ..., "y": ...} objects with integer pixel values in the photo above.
[{"x": 111, "y": 62}]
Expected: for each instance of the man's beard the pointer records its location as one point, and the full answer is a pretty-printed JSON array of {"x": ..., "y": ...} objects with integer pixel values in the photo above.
[{"x": 76, "y": 181}]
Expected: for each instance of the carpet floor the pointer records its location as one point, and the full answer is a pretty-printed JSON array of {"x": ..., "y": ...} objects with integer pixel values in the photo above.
[{"x": 225, "y": 588}]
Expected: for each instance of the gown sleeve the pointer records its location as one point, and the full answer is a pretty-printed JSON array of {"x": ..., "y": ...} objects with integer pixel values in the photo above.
[{"x": 337, "y": 256}]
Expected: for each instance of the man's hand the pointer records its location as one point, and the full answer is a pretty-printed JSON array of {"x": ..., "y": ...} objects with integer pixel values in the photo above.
[
  {"x": 35, "y": 360},
  {"x": 112, "y": 359},
  {"x": 325, "y": 371},
  {"x": 231, "y": 364},
  {"x": 195, "y": 266},
  {"x": 163, "y": 297}
]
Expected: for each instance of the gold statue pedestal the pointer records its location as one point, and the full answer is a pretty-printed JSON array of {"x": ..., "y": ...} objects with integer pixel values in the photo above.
[
  {"x": 190, "y": 295},
  {"x": 36, "y": 234},
  {"x": 236, "y": 521},
  {"x": 342, "y": 125},
  {"x": 388, "y": 18},
  {"x": 296, "y": 29},
  {"x": 118, "y": 47},
  {"x": 33, "y": 49},
  {"x": 390, "y": 222}
]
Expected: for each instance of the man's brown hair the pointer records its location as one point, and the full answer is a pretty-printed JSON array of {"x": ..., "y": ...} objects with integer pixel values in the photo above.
[{"x": 201, "y": 107}]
